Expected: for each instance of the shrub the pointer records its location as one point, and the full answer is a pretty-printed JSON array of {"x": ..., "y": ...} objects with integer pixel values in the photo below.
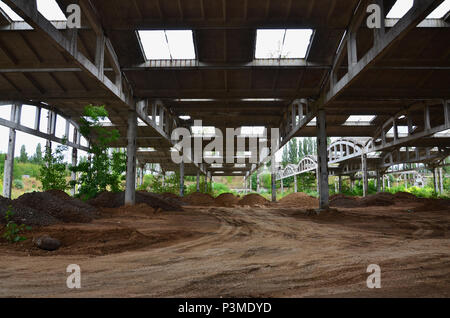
[
  {"x": 18, "y": 184},
  {"x": 53, "y": 172},
  {"x": 13, "y": 231}
]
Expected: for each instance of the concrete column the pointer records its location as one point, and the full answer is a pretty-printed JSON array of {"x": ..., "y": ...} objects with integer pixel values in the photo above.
[
  {"x": 365, "y": 180},
  {"x": 257, "y": 183},
  {"x": 383, "y": 183},
  {"x": 317, "y": 179},
  {"x": 198, "y": 180},
  {"x": 74, "y": 161},
  {"x": 182, "y": 179},
  {"x": 141, "y": 175},
  {"x": 163, "y": 179},
  {"x": 340, "y": 184},
  {"x": 130, "y": 189},
  {"x": 352, "y": 183},
  {"x": 406, "y": 181},
  {"x": 441, "y": 180},
  {"x": 295, "y": 184},
  {"x": 9, "y": 160},
  {"x": 211, "y": 181},
  {"x": 274, "y": 186},
  {"x": 322, "y": 160},
  {"x": 435, "y": 178},
  {"x": 388, "y": 182},
  {"x": 378, "y": 181},
  {"x": 206, "y": 182},
  {"x": 282, "y": 186}
]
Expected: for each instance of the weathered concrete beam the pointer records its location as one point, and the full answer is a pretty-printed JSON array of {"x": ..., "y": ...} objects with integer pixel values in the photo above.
[{"x": 9, "y": 159}]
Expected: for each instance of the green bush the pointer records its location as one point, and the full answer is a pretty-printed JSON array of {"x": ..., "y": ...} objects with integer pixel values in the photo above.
[
  {"x": 18, "y": 184},
  {"x": 13, "y": 231}
]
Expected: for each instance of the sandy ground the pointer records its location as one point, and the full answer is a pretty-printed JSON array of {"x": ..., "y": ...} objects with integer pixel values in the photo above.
[{"x": 239, "y": 252}]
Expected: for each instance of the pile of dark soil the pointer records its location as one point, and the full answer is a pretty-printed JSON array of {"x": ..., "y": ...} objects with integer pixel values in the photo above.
[
  {"x": 117, "y": 199},
  {"x": 171, "y": 197},
  {"x": 65, "y": 210},
  {"x": 379, "y": 199},
  {"x": 24, "y": 214},
  {"x": 200, "y": 199},
  {"x": 299, "y": 200},
  {"x": 227, "y": 200},
  {"x": 253, "y": 199}
]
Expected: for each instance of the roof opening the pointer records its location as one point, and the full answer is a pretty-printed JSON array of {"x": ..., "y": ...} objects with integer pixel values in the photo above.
[
  {"x": 440, "y": 11},
  {"x": 282, "y": 43},
  {"x": 50, "y": 10},
  {"x": 400, "y": 8},
  {"x": 356, "y": 120},
  {"x": 167, "y": 44},
  {"x": 9, "y": 12}
]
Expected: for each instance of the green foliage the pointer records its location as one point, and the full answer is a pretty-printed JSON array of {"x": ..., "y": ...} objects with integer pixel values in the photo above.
[
  {"x": 37, "y": 158},
  {"x": 23, "y": 155},
  {"x": 101, "y": 171},
  {"x": 13, "y": 231},
  {"x": 53, "y": 171},
  {"x": 18, "y": 184}
]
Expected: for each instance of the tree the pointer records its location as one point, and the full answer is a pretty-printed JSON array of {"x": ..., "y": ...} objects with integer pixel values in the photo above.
[
  {"x": 23, "y": 155},
  {"x": 285, "y": 156},
  {"x": 305, "y": 147},
  {"x": 293, "y": 151},
  {"x": 101, "y": 171},
  {"x": 37, "y": 158},
  {"x": 53, "y": 171},
  {"x": 300, "y": 149}
]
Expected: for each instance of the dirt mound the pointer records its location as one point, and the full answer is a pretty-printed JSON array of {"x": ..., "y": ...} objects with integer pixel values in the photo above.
[
  {"x": 299, "y": 200},
  {"x": 171, "y": 197},
  {"x": 24, "y": 214},
  {"x": 405, "y": 196},
  {"x": 200, "y": 199},
  {"x": 227, "y": 200},
  {"x": 138, "y": 209},
  {"x": 65, "y": 210},
  {"x": 253, "y": 199},
  {"x": 343, "y": 201},
  {"x": 379, "y": 199},
  {"x": 117, "y": 199},
  {"x": 431, "y": 205}
]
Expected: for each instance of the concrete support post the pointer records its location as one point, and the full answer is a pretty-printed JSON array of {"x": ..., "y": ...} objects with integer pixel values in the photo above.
[
  {"x": 206, "y": 182},
  {"x": 74, "y": 161},
  {"x": 317, "y": 179},
  {"x": 198, "y": 180},
  {"x": 282, "y": 186},
  {"x": 141, "y": 175},
  {"x": 383, "y": 183},
  {"x": 182, "y": 179},
  {"x": 378, "y": 181},
  {"x": 322, "y": 160},
  {"x": 441, "y": 180},
  {"x": 340, "y": 184},
  {"x": 273, "y": 179},
  {"x": 257, "y": 183},
  {"x": 295, "y": 184},
  {"x": 388, "y": 182},
  {"x": 211, "y": 181},
  {"x": 435, "y": 179},
  {"x": 130, "y": 189},
  {"x": 9, "y": 159},
  {"x": 365, "y": 180},
  {"x": 406, "y": 181},
  {"x": 164, "y": 179}
]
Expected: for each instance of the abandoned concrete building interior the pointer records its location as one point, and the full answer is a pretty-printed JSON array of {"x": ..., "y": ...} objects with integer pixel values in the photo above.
[{"x": 374, "y": 97}]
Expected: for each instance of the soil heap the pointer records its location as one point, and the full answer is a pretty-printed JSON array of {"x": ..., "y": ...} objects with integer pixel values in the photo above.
[
  {"x": 227, "y": 200},
  {"x": 253, "y": 199}
]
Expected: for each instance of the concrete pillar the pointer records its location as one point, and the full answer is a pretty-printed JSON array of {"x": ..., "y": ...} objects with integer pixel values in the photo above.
[
  {"x": 211, "y": 181},
  {"x": 340, "y": 184},
  {"x": 378, "y": 181},
  {"x": 365, "y": 180},
  {"x": 441, "y": 180},
  {"x": 141, "y": 175},
  {"x": 9, "y": 159},
  {"x": 206, "y": 182},
  {"x": 383, "y": 183},
  {"x": 74, "y": 161},
  {"x": 274, "y": 186},
  {"x": 163, "y": 179},
  {"x": 182, "y": 179},
  {"x": 130, "y": 188},
  {"x": 257, "y": 183},
  {"x": 352, "y": 183},
  {"x": 295, "y": 184},
  {"x": 435, "y": 179},
  {"x": 322, "y": 160},
  {"x": 406, "y": 181},
  {"x": 198, "y": 180},
  {"x": 317, "y": 179},
  {"x": 282, "y": 186},
  {"x": 388, "y": 182}
]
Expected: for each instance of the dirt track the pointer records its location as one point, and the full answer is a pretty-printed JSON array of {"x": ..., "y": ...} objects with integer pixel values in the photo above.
[{"x": 243, "y": 252}]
